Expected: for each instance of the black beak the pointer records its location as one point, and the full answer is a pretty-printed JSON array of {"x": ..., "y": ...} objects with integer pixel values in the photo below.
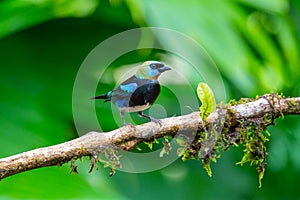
[{"x": 164, "y": 68}]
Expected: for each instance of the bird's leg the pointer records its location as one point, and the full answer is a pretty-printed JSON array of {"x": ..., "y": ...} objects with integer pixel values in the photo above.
[
  {"x": 141, "y": 114},
  {"x": 123, "y": 120},
  {"x": 122, "y": 117}
]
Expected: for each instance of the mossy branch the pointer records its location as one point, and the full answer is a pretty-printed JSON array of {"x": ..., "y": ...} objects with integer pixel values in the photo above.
[{"x": 237, "y": 116}]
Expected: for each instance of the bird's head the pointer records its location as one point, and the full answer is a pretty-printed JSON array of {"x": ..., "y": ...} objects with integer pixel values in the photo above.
[{"x": 151, "y": 70}]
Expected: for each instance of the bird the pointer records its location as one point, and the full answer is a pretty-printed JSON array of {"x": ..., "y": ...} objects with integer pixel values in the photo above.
[{"x": 138, "y": 92}]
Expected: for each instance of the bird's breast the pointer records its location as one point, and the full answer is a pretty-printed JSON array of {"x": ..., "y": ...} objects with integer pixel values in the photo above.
[{"x": 135, "y": 108}]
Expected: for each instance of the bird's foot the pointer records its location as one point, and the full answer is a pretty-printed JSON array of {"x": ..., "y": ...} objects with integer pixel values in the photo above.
[{"x": 157, "y": 121}]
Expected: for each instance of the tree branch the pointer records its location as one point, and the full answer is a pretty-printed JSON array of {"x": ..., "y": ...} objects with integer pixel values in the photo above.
[{"x": 128, "y": 137}]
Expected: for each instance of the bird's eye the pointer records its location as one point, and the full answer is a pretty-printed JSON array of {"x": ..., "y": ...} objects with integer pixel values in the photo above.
[{"x": 156, "y": 65}]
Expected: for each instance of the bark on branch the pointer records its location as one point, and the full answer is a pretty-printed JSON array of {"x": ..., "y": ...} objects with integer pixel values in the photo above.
[{"x": 129, "y": 136}]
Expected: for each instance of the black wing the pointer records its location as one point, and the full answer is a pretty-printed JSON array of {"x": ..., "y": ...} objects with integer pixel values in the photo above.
[{"x": 145, "y": 93}]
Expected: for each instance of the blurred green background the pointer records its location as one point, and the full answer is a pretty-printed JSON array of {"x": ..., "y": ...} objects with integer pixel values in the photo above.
[{"x": 255, "y": 45}]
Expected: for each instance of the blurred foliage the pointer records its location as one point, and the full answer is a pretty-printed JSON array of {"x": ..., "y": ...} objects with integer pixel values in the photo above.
[
  {"x": 18, "y": 15},
  {"x": 255, "y": 45}
]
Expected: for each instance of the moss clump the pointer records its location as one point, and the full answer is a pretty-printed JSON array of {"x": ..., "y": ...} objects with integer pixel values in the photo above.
[
  {"x": 254, "y": 136},
  {"x": 108, "y": 156},
  {"x": 218, "y": 135}
]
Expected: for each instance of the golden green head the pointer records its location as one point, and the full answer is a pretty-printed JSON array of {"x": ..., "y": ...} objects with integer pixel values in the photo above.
[{"x": 151, "y": 70}]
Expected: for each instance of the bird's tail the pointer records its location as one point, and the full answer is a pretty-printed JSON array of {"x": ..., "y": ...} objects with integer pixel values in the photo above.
[{"x": 106, "y": 96}]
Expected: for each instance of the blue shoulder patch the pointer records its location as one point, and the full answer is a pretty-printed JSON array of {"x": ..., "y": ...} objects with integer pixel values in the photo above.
[{"x": 131, "y": 87}]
